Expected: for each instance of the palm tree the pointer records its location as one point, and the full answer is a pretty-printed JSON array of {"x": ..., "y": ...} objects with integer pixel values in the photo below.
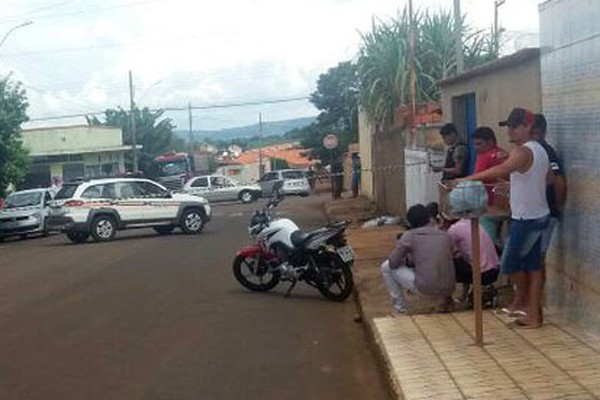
[{"x": 384, "y": 60}]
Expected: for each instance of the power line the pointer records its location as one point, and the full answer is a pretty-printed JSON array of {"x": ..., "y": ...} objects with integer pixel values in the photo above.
[
  {"x": 36, "y": 10},
  {"x": 87, "y": 11},
  {"x": 206, "y": 107},
  {"x": 135, "y": 42}
]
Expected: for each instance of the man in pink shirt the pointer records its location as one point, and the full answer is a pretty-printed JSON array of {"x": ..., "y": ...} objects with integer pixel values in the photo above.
[{"x": 460, "y": 237}]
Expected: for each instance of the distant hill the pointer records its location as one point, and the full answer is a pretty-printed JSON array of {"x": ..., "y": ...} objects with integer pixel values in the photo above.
[{"x": 275, "y": 128}]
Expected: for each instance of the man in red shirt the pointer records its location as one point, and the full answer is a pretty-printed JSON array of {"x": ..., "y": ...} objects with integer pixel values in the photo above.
[{"x": 489, "y": 154}]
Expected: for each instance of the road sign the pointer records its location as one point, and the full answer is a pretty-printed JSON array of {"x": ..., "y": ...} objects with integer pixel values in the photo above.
[{"x": 330, "y": 142}]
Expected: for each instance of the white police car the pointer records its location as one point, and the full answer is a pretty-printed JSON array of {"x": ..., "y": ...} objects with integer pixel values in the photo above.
[{"x": 101, "y": 207}]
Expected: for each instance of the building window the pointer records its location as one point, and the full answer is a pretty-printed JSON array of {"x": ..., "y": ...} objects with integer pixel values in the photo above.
[{"x": 101, "y": 170}]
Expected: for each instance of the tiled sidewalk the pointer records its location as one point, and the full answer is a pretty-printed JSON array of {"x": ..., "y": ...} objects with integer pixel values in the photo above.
[{"x": 433, "y": 357}]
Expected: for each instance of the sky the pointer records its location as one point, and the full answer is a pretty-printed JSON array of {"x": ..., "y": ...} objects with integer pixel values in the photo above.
[{"x": 75, "y": 56}]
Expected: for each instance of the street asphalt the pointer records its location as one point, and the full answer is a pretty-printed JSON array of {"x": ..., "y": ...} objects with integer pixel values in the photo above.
[{"x": 161, "y": 317}]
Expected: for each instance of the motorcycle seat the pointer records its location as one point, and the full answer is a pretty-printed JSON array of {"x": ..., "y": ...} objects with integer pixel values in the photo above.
[{"x": 299, "y": 237}]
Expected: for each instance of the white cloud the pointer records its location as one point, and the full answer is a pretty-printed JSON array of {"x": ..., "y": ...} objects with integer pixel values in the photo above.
[{"x": 200, "y": 52}]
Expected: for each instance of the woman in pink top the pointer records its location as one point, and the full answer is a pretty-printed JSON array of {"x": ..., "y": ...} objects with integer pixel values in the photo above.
[{"x": 460, "y": 237}]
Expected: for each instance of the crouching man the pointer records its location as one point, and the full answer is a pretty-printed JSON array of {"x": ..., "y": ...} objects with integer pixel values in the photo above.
[{"x": 432, "y": 270}]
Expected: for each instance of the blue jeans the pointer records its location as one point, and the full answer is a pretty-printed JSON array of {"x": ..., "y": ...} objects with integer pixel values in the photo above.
[{"x": 523, "y": 249}]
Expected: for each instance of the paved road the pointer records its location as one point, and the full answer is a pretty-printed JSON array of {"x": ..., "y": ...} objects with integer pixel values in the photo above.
[{"x": 149, "y": 317}]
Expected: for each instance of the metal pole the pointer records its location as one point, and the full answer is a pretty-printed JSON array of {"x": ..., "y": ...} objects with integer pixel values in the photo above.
[
  {"x": 475, "y": 243},
  {"x": 132, "y": 123},
  {"x": 413, "y": 79},
  {"x": 260, "y": 157},
  {"x": 190, "y": 122},
  {"x": 497, "y": 4},
  {"x": 460, "y": 62}
]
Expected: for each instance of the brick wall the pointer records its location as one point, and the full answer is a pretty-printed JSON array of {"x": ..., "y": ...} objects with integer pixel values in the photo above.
[
  {"x": 388, "y": 171},
  {"x": 570, "y": 70}
]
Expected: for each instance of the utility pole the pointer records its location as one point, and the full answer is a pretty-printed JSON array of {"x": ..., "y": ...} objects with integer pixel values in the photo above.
[
  {"x": 460, "y": 62},
  {"x": 132, "y": 123},
  {"x": 260, "y": 157},
  {"x": 497, "y": 4},
  {"x": 190, "y": 121},
  {"x": 413, "y": 78}
]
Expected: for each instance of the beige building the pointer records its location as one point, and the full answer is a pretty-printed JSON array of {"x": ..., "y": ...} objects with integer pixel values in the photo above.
[
  {"x": 61, "y": 154},
  {"x": 483, "y": 96}
]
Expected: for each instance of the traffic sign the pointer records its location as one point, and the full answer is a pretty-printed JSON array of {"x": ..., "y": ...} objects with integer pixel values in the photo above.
[{"x": 330, "y": 142}]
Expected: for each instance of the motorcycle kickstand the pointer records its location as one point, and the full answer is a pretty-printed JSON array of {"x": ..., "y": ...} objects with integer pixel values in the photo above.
[{"x": 287, "y": 294}]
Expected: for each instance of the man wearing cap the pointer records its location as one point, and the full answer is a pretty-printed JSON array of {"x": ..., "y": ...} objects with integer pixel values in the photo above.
[
  {"x": 528, "y": 166},
  {"x": 556, "y": 189}
]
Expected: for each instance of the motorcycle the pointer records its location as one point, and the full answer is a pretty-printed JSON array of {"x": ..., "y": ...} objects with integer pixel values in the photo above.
[{"x": 322, "y": 258}]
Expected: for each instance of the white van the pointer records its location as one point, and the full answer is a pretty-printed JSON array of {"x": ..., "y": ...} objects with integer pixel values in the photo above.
[{"x": 294, "y": 182}]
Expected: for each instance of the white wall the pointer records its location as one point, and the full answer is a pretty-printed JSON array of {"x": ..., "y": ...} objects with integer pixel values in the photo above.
[
  {"x": 244, "y": 174},
  {"x": 421, "y": 183},
  {"x": 570, "y": 39},
  {"x": 75, "y": 139}
]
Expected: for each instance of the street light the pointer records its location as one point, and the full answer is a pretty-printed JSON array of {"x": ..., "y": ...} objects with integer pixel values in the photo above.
[
  {"x": 145, "y": 92},
  {"x": 11, "y": 30}
]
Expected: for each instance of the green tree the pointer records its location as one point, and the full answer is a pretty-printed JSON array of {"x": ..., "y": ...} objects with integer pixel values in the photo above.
[
  {"x": 13, "y": 113},
  {"x": 384, "y": 59},
  {"x": 153, "y": 132},
  {"x": 279, "y": 163},
  {"x": 337, "y": 99}
]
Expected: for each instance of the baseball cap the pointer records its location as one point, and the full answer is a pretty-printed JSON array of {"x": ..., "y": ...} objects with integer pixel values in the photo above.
[{"x": 518, "y": 116}]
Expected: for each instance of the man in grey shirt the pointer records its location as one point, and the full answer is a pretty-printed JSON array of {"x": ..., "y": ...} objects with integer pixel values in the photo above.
[{"x": 430, "y": 251}]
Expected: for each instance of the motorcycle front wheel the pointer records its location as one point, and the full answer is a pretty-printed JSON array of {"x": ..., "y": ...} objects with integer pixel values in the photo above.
[
  {"x": 334, "y": 279},
  {"x": 253, "y": 273}
]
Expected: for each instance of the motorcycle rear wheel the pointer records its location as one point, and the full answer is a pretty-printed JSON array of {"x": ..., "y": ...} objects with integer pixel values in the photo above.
[
  {"x": 267, "y": 280},
  {"x": 334, "y": 280}
]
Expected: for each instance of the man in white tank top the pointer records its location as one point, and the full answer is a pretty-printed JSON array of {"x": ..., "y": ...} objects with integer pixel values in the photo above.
[{"x": 528, "y": 167}]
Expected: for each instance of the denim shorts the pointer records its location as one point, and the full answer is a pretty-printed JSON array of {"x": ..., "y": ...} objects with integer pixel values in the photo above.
[
  {"x": 548, "y": 234},
  {"x": 523, "y": 249}
]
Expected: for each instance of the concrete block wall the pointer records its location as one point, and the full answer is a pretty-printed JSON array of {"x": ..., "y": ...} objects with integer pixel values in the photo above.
[{"x": 570, "y": 71}]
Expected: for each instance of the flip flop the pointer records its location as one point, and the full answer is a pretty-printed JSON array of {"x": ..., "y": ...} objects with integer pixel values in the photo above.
[
  {"x": 505, "y": 310},
  {"x": 517, "y": 314},
  {"x": 522, "y": 325}
]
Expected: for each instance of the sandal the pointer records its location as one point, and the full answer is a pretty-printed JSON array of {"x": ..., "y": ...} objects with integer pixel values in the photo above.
[
  {"x": 519, "y": 323},
  {"x": 517, "y": 314}
]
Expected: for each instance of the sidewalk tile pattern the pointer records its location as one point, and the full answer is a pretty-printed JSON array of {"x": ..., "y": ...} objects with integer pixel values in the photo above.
[{"x": 433, "y": 357}]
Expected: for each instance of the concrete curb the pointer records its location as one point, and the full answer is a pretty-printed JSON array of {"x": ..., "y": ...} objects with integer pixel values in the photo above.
[
  {"x": 375, "y": 342},
  {"x": 372, "y": 337}
]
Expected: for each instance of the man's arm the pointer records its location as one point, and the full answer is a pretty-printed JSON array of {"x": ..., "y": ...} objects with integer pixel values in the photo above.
[
  {"x": 398, "y": 256},
  {"x": 559, "y": 180},
  {"x": 519, "y": 159},
  {"x": 560, "y": 190}
]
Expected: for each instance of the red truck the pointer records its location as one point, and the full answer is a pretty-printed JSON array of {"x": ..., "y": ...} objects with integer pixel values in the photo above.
[{"x": 173, "y": 169}]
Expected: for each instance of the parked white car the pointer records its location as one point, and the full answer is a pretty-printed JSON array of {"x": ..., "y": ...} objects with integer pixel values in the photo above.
[
  {"x": 221, "y": 188},
  {"x": 293, "y": 181},
  {"x": 101, "y": 207},
  {"x": 24, "y": 212}
]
